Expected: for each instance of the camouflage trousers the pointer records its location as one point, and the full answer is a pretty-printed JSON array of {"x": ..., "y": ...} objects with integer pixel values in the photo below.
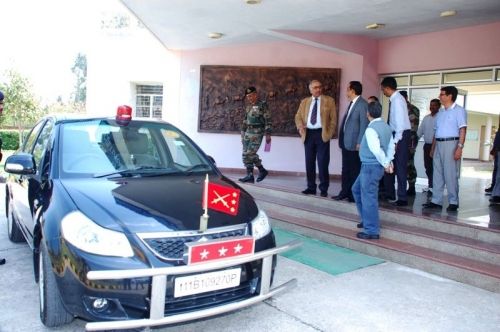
[
  {"x": 412, "y": 171},
  {"x": 251, "y": 143}
]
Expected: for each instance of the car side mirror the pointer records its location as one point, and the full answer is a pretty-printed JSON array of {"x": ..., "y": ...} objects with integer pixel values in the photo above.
[{"x": 21, "y": 164}]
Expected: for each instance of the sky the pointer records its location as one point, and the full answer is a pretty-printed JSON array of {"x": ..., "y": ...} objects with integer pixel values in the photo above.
[{"x": 41, "y": 40}]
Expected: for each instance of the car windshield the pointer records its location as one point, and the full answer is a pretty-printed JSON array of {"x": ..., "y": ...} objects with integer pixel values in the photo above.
[{"x": 101, "y": 148}]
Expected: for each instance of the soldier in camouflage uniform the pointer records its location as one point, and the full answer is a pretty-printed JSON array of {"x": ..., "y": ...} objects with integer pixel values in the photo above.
[
  {"x": 414, "y": 115},
  {"x": 256, "y": 124}
]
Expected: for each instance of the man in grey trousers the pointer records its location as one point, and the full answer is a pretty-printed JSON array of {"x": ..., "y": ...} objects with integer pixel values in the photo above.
[{"x": 446, "y": 150}]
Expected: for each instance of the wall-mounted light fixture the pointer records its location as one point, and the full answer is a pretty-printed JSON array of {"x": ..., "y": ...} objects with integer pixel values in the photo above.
[
  {"x": 215, "y": 35},
  {"x": 375, "y": 26},
  {"x": 448, "y": 13}
]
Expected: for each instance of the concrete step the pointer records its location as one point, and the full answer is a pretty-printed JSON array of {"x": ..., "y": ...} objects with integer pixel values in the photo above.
[
  {"x": 460, "y": 252},
  {"x": 452, "y": 244},
  {"x": 394, "y": 216}
]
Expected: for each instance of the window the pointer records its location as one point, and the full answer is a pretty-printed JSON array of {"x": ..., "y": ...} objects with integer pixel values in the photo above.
[
  {"x": 470, "y": 76},
  {"x": 426, "y": 79},
  {"x": 149, "y": 101},
  {"x": 401, "y": 80},
  {"x": 42, "y": 142},
  {"x": 31, "y": 138}
]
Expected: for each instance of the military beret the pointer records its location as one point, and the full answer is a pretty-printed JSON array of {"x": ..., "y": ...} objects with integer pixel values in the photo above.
[
  {"x": 1, "y": 95},
  {"x": 250, "y": 90}
]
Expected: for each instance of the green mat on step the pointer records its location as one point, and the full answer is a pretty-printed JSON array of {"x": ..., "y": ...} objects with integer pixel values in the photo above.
[{"x": 324, "y": 256}]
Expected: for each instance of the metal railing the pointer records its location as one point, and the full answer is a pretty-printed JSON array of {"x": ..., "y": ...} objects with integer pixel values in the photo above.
[{"x": 159, "y": 285}]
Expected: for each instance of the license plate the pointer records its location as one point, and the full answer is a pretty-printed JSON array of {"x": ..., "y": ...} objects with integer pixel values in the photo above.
[{"x": 207, "y": 282}]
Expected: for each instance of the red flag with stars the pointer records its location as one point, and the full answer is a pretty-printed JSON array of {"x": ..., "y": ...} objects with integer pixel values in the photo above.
[
  {"x": 223, "y": 199},
  {"x": 199, "y": 252}
]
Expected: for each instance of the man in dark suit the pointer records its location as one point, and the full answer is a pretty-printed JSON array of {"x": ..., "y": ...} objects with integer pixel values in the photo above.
[
  {"x": 316, "y": 121},
  {"x": 352, "y": 130}
]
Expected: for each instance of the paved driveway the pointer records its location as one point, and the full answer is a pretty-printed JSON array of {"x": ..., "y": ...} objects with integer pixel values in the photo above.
[{"x": 384, "y": 297}]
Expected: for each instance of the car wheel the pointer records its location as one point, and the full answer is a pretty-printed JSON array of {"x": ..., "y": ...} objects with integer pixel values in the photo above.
[
  {"x": 52, "y": 311},
  {"x": 13, "y": 230}
]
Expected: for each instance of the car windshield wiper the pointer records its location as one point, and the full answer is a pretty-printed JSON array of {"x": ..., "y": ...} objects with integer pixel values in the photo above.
[
  {"x": 190, "y": 169},
  {"x": 142, "y": 170}
]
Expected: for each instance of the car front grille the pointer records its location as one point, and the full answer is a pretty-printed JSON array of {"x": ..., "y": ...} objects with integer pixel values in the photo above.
[{"x": 171, "y": 246}]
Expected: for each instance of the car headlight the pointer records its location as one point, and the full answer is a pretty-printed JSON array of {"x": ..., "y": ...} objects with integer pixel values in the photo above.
[
  {"x": 260, "y": 225},
  {"x": 86, "y": 235}
]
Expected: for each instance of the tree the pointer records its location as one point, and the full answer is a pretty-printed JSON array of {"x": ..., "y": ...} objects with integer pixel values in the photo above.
[
  {"x": 21, "y": 107},
  {"x": 80, "y": 71}
]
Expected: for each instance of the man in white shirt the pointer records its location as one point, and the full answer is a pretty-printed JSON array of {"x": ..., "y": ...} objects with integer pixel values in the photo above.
[{"x": 400, "y": 124}]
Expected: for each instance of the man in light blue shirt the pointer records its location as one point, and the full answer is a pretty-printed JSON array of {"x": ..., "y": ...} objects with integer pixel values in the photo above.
[
  {"x": 400, "y": 125},
  {"x": 376, "y": 152},
  {"x": 449, "y": 138}
]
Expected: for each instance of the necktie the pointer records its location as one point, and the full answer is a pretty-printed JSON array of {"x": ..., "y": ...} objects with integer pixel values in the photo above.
[
  {"x": 389, "y": 115},
  {"x": 314, "y": 114},
  {"x": 346, "y": 115},
  {"x": 341, "y": 136}
]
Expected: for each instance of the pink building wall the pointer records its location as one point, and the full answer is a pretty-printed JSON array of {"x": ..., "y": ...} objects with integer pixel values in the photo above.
[
  {"x": 359, "y": 58},
  {"x": 364, "y": 47},
  {"x": 287, "y": 153},
  {"x": 458, "y": 48}
]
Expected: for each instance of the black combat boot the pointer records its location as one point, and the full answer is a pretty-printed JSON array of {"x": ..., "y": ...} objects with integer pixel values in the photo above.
[
  {"x": 411, "y": 190},
  {"x": 249, "y": 177},
  {"x": 262, "y": 173}
]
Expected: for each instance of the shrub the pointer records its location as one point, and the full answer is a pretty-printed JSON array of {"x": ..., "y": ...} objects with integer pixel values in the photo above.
[{"x": 10, "y": 140}]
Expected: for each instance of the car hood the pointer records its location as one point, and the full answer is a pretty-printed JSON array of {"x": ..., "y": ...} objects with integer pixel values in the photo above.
[{"x": 153, "y": 204}]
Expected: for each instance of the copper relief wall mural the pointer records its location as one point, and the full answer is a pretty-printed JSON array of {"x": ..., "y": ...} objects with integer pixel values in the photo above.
[{"x": 222, "y": 98}]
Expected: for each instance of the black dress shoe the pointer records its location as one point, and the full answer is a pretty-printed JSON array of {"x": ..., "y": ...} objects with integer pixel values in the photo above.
[
  {"x": 495, "y": 199},
  {"x": 350, "y": 200},
  {"x": 309, "y": 192},
  {"x": 362, "y": 235},
  {"x": 323, "y": 194},
  {"x": 432, "y": 205},
  {"x": 2, "y": 261},
  {"x": 359, "y": 225},
  {"x": 452, "y": 207},
  {"x": 339, "y": 197},
  {"x": 400, "y": 203},
  {"x": 488, "y": 190}
]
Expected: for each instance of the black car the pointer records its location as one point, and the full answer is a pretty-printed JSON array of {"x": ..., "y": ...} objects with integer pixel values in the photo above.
[{"x": 113, "y": 208}]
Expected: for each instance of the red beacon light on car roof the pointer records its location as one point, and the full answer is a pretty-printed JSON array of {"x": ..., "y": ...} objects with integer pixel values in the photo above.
[{"x": 123, "y": 115}]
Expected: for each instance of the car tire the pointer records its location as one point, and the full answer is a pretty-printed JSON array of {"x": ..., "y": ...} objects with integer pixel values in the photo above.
[
  {"x": 52, "y": 311},
  {"x": 13, "y": 230}
]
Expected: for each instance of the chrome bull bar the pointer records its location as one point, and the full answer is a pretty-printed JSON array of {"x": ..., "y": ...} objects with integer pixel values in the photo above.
[{"x": 159, "y": 285}]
